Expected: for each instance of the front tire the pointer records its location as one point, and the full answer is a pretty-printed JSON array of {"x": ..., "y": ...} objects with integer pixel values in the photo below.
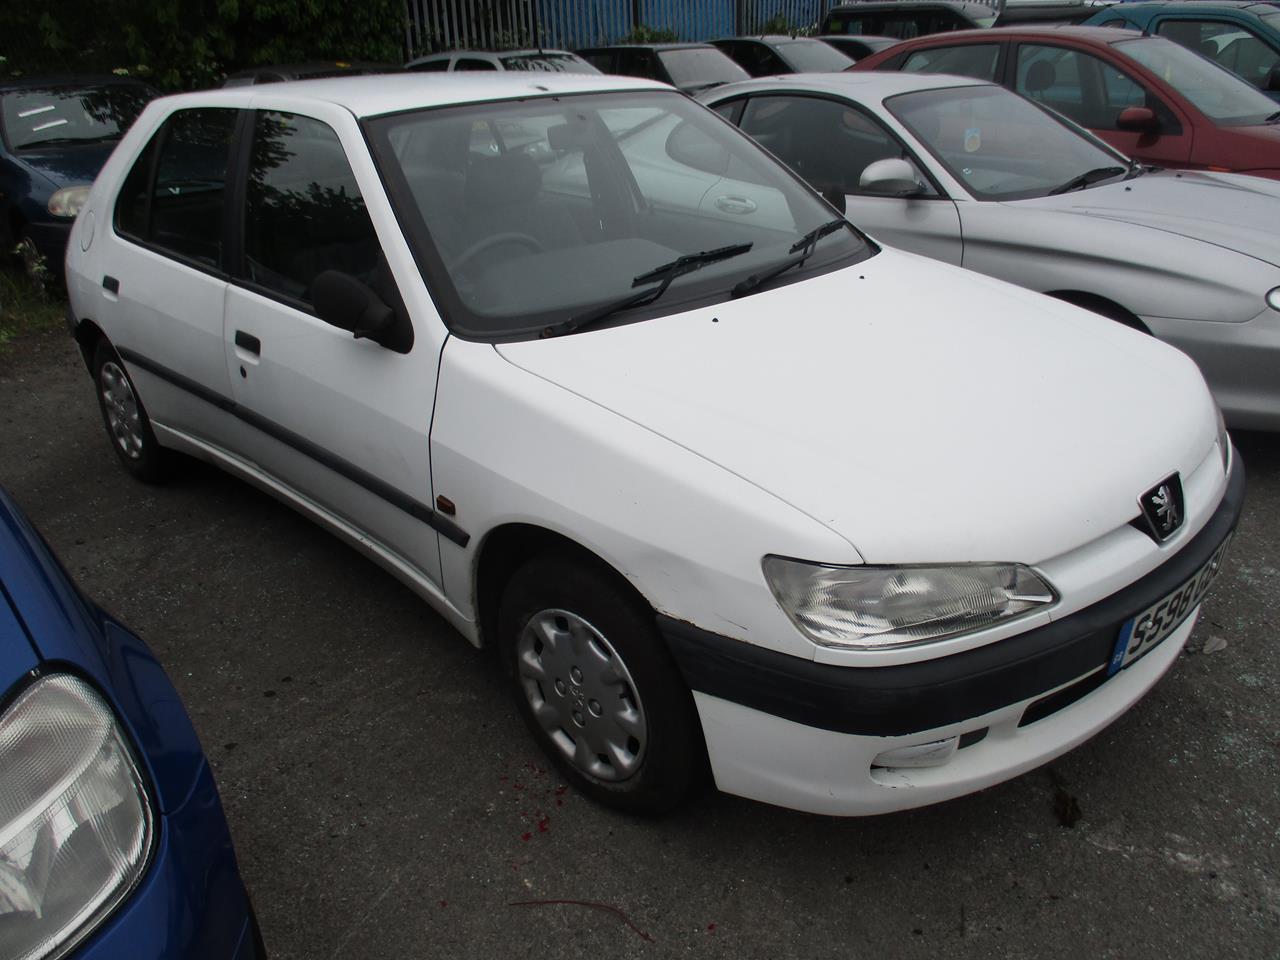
[
  {"x": 597, "y": 686},
  {"x": 126, "y": 420}
]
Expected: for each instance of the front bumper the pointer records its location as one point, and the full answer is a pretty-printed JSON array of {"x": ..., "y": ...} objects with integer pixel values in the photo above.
[
  {"x": 191, "y": 902},
  {"x": 50, "y": 239},
  {"x": 804, "y": 734}
]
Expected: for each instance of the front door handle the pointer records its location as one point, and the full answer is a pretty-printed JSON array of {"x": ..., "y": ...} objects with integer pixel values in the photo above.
[{"x": 247, "y": 341}]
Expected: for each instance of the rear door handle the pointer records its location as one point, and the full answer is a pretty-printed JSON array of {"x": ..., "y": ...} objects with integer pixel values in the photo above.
[
  {"x": 247, "y": 341},
  {"x": 110, "y": 284}
]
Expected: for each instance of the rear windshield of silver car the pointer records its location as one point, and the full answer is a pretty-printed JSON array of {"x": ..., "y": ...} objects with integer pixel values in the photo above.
[{"x": 526, "y": 214}]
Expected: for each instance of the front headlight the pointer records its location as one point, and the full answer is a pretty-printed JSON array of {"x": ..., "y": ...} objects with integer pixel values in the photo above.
[
  {"x": 75, "y": 822},
  {"x": 875, "y": 608},
  {"x": 68, "y": 201},
  {"x": 1273, "y": 298}
]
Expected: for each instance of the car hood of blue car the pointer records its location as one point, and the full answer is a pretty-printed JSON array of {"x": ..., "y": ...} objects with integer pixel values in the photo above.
[{"x": 65, "y": 164}]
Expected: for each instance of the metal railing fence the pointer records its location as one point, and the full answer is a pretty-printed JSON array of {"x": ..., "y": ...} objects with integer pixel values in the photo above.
[{"x": 566, "y": 24}]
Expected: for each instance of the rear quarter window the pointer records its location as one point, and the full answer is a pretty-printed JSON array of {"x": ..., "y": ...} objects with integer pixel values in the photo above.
[{"x": 174, "y": 196}]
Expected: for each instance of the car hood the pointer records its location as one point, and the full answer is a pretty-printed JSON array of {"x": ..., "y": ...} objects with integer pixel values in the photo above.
[
  {"x": 925, "y": 413},
  {"x": 1226, "y": 210},
  {"x": 67, "y": 164}
]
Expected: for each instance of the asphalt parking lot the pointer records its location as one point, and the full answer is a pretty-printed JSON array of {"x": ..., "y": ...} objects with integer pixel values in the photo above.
[{"x": 386, "y": 801}]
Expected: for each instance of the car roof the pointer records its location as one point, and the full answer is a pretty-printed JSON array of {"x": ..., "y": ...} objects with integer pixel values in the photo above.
[
  {"x": 1096, "y": 35},
  {"x": 878, "y": 5},
  {"x": 376, "y": 94},
  {"x": 648, "y": 46},
  {"x": 868, "y": 85},
  {"x": 1199, "y": 5},
  {"x": 313, "y": 66}
]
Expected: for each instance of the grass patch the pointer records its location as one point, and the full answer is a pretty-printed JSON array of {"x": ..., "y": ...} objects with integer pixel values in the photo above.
[{"x": 27, "y": 302}]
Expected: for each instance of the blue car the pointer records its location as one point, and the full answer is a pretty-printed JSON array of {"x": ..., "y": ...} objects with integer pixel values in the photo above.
[
  {"x": 113, "y": 843},
  {"x": 55, "y": 135},
  {"x": 1242, "y": 36}
]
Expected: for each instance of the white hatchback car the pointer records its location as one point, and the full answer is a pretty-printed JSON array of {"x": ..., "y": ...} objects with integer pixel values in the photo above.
[{"x": 720, "y": 478}]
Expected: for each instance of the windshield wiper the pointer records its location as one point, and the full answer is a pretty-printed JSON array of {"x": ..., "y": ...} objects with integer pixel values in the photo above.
[
  {"x": 1137, "y": 169},
  {"x": 804, "y": 245},
  {"x": 1088, "y": 178},
  {"x": 664, "y": 273},
  {"x": 60, "y": 141},
  {"x": 1274, "y": 118}
]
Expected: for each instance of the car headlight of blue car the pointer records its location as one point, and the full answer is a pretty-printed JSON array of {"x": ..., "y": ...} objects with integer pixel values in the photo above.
[{"x": 76, "y": 824}]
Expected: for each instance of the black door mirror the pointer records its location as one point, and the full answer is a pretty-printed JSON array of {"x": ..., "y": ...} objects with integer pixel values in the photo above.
[
  {"x": 1273, "y": 79},
  {"x": 835, "y": 196},
  {"x": 346, "y": 303}
]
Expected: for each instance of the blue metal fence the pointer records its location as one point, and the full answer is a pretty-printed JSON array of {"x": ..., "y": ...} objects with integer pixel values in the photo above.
[{"x": 566, "y": 24}]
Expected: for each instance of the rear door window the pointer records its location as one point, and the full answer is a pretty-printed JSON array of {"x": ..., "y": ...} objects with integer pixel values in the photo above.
[
  {"x": 974, "y": 60},
  {"x": 304, "y": 212},
  {"x": 174, "y": 197}
]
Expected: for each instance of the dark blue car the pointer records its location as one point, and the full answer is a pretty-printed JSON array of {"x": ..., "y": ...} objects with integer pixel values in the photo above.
[
  {"x": 113, "y": 842},
  {"x": 55, "y": 135}
]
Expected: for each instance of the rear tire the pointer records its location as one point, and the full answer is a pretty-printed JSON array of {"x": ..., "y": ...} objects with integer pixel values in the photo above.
[
  {"x": 597, "y": 686},
  {"x": 126, "y": 420}
]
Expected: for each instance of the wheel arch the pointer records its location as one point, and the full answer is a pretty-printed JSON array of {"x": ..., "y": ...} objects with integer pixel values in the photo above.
[
  {"x": 88, "y": 334},
  {"x": 1100, "y": 305},
  {"x": 505, "y": 548}
]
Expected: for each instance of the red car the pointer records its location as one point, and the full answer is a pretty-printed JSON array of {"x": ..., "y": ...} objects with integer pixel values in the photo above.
[{"x": 1148, "y": 97}]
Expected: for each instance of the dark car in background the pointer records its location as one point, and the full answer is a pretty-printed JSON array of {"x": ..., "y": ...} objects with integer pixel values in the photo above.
[
  {"x": 904, "y": 20},
  {"x": 686, "y": 66},
  {"x": 769, "y": 55},
  {"x": 113, "y": 844},
  {"x": 320, "y": 70},
  {"x": 548, "y": 61},
  {"x": 1148, "y": 97},
  {"x": 1244, "y": 37},
  {"x": 856, "y": 46},
  {"x": 55, "y": 135}
]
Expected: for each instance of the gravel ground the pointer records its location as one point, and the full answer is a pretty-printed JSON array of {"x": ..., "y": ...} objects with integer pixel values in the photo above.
[{"x": 387, "y": 802}]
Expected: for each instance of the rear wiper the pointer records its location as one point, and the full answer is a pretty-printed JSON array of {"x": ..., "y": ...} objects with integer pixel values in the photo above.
[
  {"x": 664, "y": 273},
  {"x": 804, "y": 245},
  {"x": 1087, "y": 178}
]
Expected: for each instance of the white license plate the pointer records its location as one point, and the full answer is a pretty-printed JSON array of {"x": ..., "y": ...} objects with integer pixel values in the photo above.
[{"x": 1141, "y": 634}]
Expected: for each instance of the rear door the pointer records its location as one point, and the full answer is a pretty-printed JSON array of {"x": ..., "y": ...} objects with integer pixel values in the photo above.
[
  {"x": 341, "y": 422},
  {"x": 830, "y": 143},
  {"x": 164, "y": 284},
  {"x": 1092, "y": 90}
]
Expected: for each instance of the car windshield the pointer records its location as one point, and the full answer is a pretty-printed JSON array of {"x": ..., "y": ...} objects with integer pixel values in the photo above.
[
  {"x": 1218, "y": 93},
  {"x": 700, "y": 66},
  {"x": 813, "y": 56},
  {"x": 1000, "y": 146},
  {"x": 71, "y": 114},
  {"x": 548, "y": 62},
  {"x": 525, "y": 215}
]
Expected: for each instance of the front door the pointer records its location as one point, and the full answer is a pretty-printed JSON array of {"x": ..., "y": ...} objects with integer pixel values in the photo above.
[
  {"x": 830, "y": 143},
  {"x": 340, "y": 421},
  {"x": 1092, "y": 92}
]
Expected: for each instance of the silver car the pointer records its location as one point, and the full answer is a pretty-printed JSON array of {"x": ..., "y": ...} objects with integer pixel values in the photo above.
[{"x": 968, "y": 172}]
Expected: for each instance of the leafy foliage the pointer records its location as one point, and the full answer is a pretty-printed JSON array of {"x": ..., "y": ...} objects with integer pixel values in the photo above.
[
  {"x": 644, "y": 34},
  {"x": 186, "y": 44}
]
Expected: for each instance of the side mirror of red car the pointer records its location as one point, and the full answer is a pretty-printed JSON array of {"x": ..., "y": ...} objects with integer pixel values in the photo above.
[{"x": 1137, "y": 119}]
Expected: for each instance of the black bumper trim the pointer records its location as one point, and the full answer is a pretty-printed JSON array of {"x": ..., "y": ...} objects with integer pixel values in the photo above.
[{"x": 907, "y": 698}]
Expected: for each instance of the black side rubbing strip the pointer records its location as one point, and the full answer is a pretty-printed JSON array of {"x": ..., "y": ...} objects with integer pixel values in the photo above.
[{"x": 416, "y": 509}]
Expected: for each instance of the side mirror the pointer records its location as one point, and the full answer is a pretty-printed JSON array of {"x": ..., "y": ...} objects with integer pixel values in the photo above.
[
  {"x": 892, "y": 178},
  {"x": 346, "y": 303},
  {"x": 1273, "y": 80},
  {"x": 1138, "y": 120},
  {"x": 835, "y": 196}
]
